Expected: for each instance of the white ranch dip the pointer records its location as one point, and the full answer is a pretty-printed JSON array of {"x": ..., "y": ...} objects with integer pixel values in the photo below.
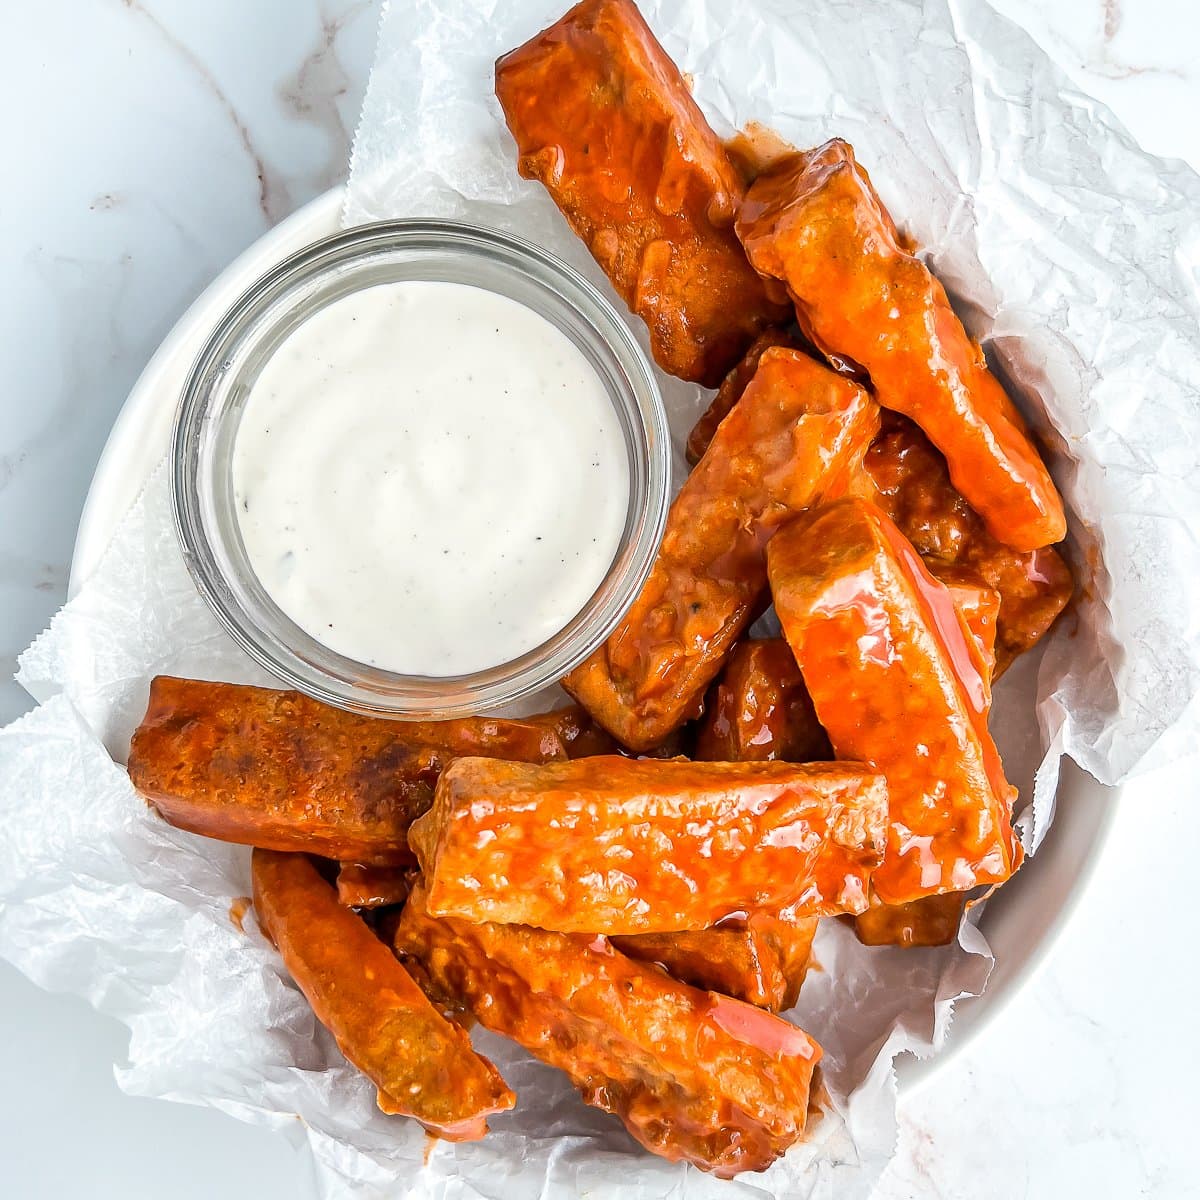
[{"x": 430, "y": 478}]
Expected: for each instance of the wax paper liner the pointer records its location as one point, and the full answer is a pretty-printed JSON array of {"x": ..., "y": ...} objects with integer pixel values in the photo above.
[{"x": 1072, "y": 253}]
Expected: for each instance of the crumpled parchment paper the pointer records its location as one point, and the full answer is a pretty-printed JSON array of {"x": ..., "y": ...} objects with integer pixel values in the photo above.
[{"x": 1075, "y": 257}]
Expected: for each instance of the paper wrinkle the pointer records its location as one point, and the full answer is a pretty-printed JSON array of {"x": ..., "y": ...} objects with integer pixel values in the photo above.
[
  {"x": 1074, "y": 255},
  {"x": 138, "y": 616}
]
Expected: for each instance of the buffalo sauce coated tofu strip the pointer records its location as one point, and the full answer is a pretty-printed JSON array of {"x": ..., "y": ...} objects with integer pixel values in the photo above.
[
  {"x": 604, "y": 121},
  {"x": 814, "y": 222},
  {"x": 284, "y": 772},
  {"x": 735, "y": 383},
  {"x": 692, "y": 1075},
  {"x": 574, "y": 727},
  {"x": 732, "y": 959},
  {"x": 360, "y": 885},
  {"x": 759, "y": 710},
  {"x": 979, "y": 606},
  {"x": 934, "y": 920},
  {"x": 616, "y": 845},
  {"x": 797, "y": 430},
  {"x": 929, "y": 921},
  {"x": 906, "y": 476},
  {"x": 422, "y": 1064},
  {"x": 760, "y": 959},
  {"x": 731, "y": 389},
  {"x": 898, "y": 681},
  {"x": 908, "y": 479}
]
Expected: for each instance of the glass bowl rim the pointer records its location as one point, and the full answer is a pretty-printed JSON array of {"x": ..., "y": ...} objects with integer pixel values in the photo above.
[{"x": 356, "y": 686}]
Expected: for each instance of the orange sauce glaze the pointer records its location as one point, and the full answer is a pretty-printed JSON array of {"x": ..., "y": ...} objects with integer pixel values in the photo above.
[
  {"x": 731, "y": 959},
  {"x": 934, "y": 920},
  {"x": 908, "y": 479},
  {"x": 691, "y": 1074},
  {"x": 929, "y": 921},
  {"x": 604, "y": 121},
  {"x": 759, "y": 709},
  {"x": 237, "y": 912},
  {"x": 761, "y": 960},
  {"x": 797, "y": 429},
  {"x": 360, "y": 885},
  {"x": 815, "y": 222},
  {"x": 615, "y": 845},
  {"x": 278, "y": 770},
  {"x": 423, "y": 1065},
  {"x": 977, "y": 604},
  {"x": 898, "y": 681},
  {"x": 905, "y": 475},
  {"x": 574, "y": 727},
  {"x": 731, "y": 389}
]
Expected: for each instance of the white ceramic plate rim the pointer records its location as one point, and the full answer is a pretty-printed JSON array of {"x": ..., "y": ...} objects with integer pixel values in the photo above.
[{"x": 140, "y": 437}]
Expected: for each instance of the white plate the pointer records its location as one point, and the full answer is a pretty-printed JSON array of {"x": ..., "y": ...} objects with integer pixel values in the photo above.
[{"x": 1021, "y": 923}]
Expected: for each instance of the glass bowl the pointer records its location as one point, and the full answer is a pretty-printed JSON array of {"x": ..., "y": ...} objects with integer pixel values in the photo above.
[{"x": 219, "y": 385}]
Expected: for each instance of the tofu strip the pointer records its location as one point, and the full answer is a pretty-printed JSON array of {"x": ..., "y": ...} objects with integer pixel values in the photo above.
[
  {"x": 604, "y": 121},
  {"x": 759, "y": 709},
  {"x": 929, "y": 921},
  {"x": 761, "y": 960},
  {"x": 362, "y": 886},
  {"x": 908, "y": 479},
  {"x": 905, "y": 475},
  {"x": 978, "y": 605},
  {"x": 422, "y": 1064},
  {"x": 574, "y": 727},
  {"x": 614, "y": 845},
  {"x": 814, "y": 222},
  {"x": 797, "y": 430},
  {"x": 692, "y": 1075},
  {"x": 898, "y": 681},
  {"x": 731, "y": 959},
  {"x": 281, "y": 771},
  {"x": 934, "y": 920},
  {"x": 731, "y": 389}
]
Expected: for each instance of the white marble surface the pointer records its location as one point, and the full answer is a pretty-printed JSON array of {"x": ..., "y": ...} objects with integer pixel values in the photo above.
[{"x": 150, "y": 141}]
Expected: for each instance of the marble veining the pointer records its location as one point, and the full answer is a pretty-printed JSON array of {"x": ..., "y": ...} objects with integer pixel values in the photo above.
[
  {"x": 206, "y": 125},
  {"x": 272, "y": 199},
  {"x": 311, "y": 93},
  {"x": 1104, "y": 61},
  {"x": 184, "y": 132},
  {"x": 316, "y": 91},
  {"x": 1140, "y": 57}
]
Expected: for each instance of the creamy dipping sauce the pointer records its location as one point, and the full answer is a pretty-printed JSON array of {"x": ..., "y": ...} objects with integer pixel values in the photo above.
[{"x": 430, "y": 478}]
